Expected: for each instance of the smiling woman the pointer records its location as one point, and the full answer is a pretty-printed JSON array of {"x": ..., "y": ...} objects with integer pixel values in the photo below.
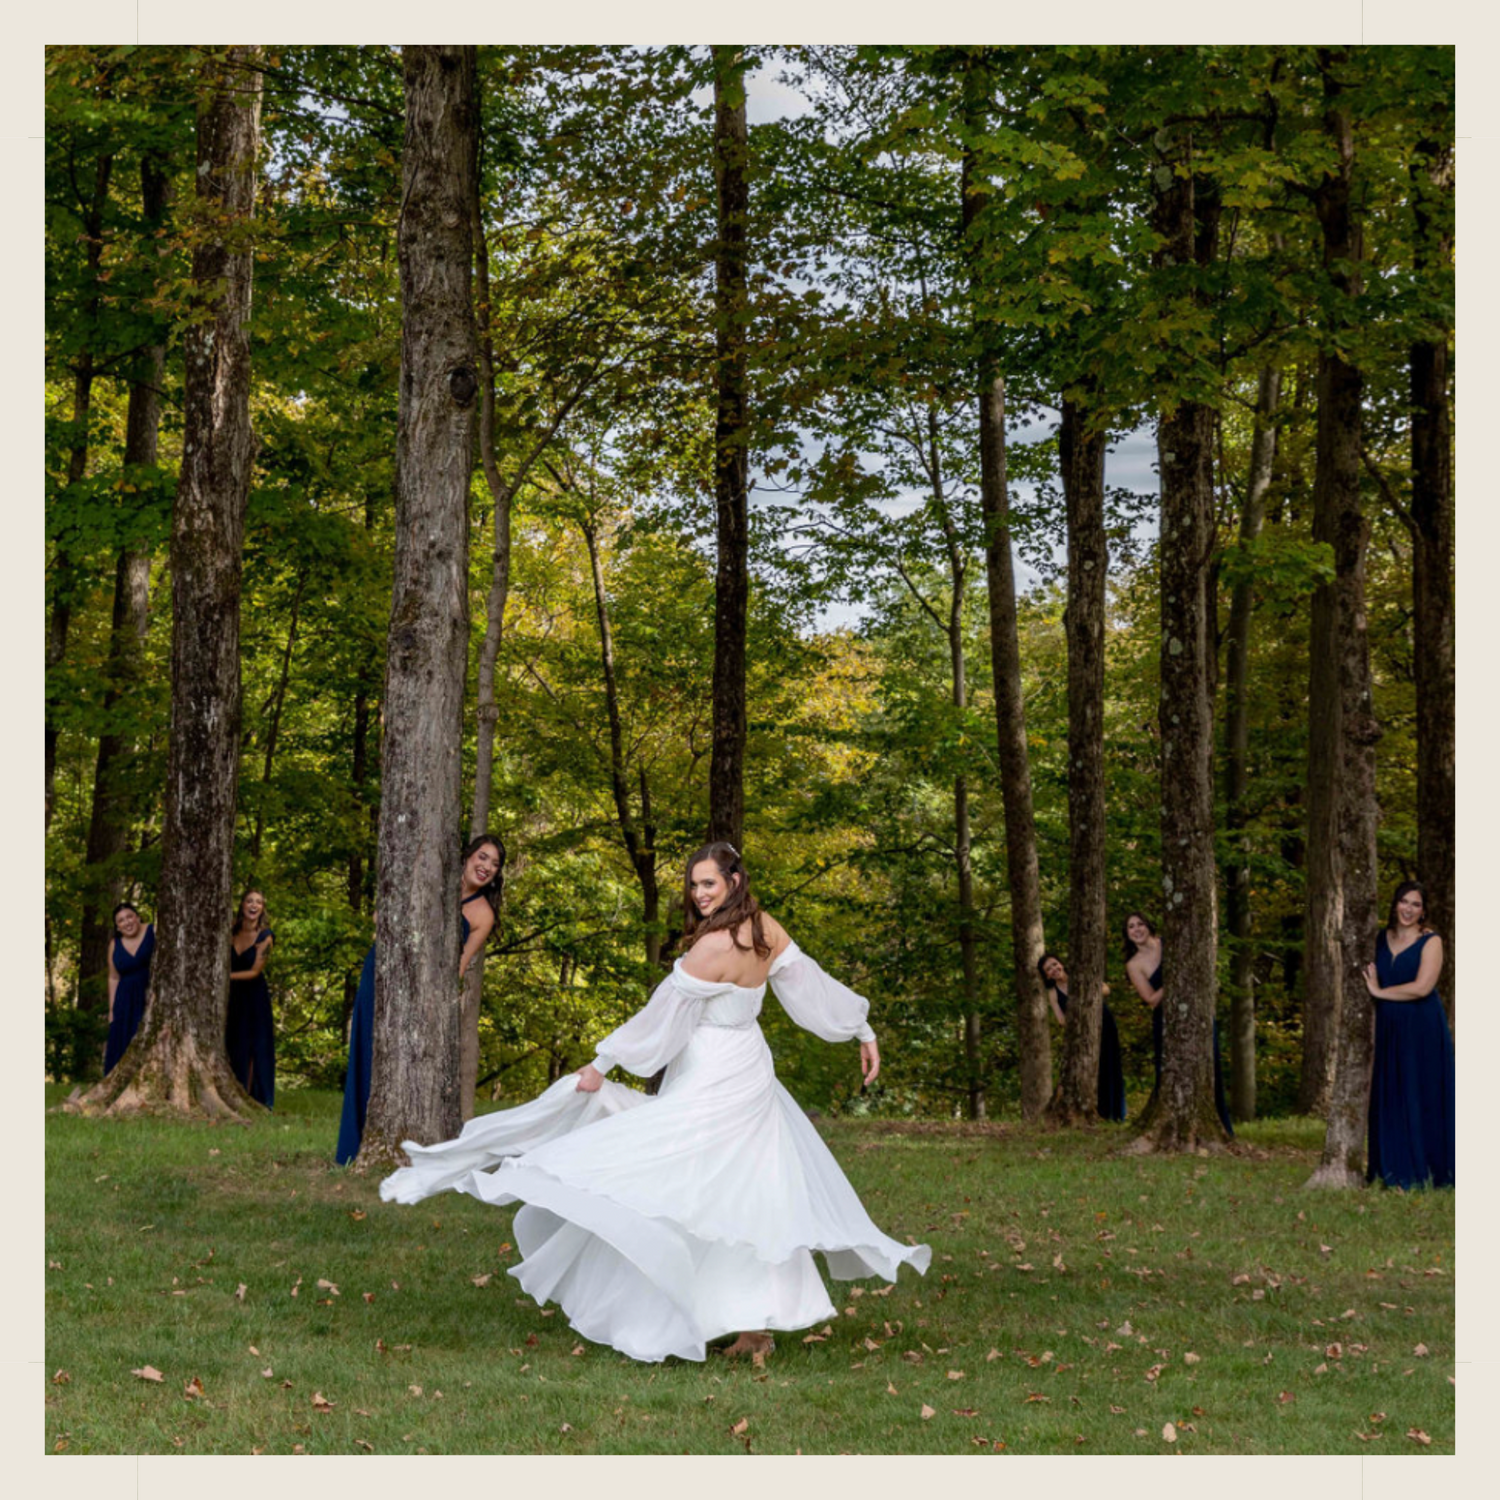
[
  {"x": 479, "y": 896},
  {"x": 661, "y": 1223}
]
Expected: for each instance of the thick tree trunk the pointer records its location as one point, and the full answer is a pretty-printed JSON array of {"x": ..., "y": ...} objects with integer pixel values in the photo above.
[
  {"x": 1432, "y": 507},
  {"x": 1081, "y": 448},
  {"x": 1336, "y": 499},
  {"x": 1237, "y": 759},
  {"x": 177, "y": 1059},
  {"x": 1181, "y": 1113},
  {"x": 726, "y": 776},
  {"x": 414, "y": 1089},
  {"x": 63, "y": 570}
]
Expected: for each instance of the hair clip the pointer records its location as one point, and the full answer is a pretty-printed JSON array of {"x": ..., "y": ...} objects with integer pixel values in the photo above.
[{"x": 730, "y": 847}]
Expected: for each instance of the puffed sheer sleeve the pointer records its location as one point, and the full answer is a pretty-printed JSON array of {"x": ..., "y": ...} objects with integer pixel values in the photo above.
[
  {"x": 655, "y": 1034},
  {"x": 816, "y": 1001}
]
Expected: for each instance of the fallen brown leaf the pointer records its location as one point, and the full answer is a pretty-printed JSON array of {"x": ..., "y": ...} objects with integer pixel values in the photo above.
[
  {"x": 1420, "y": 1351},
  {"x": 148, "y": 1372},
  {"x": 193, "y": 1389},
  {"x": 1418, "y": 1436},
  {"x": 360, "y": 1442},
  {"x": 239, "y": 1292},
  {"x": 1169, "y": 1432},
  {"x": 61, "y": 1378},
  {"x": 1286, "y": 1397},
  {"x": 327, "y": 1286},
  {"x": 321, "y": 1402},
  {"x": 268, "y": 1372},
  {"x": 1192, "y": 1359},
  {"x": 891, "y": 1390},
  {"x": 926, "y": 1413},
  {"x": 965, "y": 1411},
  {"x": 955, "y": 1374},
  {"x": 743, "y": 1425},
  {"x": 483, "y": 1280}
]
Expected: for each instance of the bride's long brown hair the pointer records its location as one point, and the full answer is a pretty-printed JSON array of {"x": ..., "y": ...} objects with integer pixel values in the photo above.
[{"x": 739, "y": 905}]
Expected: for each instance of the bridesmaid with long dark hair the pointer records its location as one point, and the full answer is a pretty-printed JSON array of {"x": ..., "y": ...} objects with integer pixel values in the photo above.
[
  {"x": 129, "y": 978},
  {"x": 479, "y": 903},
  {"x": 1411, "y": 1085},
  {"x": 1111, "y": 1059},
  {"x": 249, "y": 1027},
  {"x": 1143, "y": 967}
]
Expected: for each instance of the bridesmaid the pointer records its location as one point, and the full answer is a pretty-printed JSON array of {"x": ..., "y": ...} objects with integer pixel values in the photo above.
[
  {"x": 1411, "y": 1087},
  {"x": 1143, "y": 967},
  {"x": 249, "y": 1029},
  {"x": 479, "y": 899},
  {"x": 129, "y": 976},
  {"x": 1111, "y": 1060}
]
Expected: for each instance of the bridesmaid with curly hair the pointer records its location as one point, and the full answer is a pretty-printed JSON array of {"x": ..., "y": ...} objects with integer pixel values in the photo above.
[{"x": 249, "y": 1026}]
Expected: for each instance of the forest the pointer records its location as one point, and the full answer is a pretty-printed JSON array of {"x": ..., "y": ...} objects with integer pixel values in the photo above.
[{"x": 1000, "y": 489}]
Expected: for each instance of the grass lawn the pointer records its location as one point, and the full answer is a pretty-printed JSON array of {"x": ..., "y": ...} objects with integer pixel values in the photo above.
[{"x": 1078, "y": 1301}]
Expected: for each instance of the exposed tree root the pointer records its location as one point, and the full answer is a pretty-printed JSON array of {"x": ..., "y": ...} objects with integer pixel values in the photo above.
[
  {"x": 170, "y": 1075},
  {"x": 1335, "y": 1174}
]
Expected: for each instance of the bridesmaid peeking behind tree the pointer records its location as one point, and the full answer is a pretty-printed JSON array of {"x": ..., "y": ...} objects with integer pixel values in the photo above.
[
  {"x": 1411, "y": 1085},
  {"x": 249, "y": 1028},
  {"x": 129, "y": 976},
  {"x": 1111, "y": 1060},
  {"x": 1143, "y": 967}
]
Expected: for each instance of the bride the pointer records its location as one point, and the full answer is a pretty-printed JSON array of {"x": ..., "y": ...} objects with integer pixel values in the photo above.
[{"x": 661, "y": 1223}]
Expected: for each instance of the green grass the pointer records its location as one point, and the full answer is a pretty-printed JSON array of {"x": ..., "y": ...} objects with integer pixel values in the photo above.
[{"x": 1046, "y": 1247}]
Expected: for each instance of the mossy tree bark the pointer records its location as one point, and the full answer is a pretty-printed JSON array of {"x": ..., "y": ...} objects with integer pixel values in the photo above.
[
  {"x": 414, "y": 1087},
  {"x": 177, "y": 1060},
  {"x": 1180, "y": 1115}
]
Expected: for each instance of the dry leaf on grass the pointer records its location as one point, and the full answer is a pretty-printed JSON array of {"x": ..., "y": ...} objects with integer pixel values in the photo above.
[
  {"x": 148, "y": 1372},
  {"x": 193, "y": 1389},
  {"x": 891, "y": 1390},
  {"x": 743, "y": 1425},
  {"x": 321, "y": 1402},
  {"x": 483, "y": 1280},
  {"x": 955, "y": 1374},
  {"x": 1169, "y": 1432},
  {"x": 1418, "y": 1436},
  {"x": 1286, "y": 1397},
  {"x": 239, "y": 1292},
  {"x": 327, "y": 1286},
  {"x": 361, "y": 1443},
  {"x": 926, "y": 1413},
  {"x": 268, "y": 1372},
  {"x": 1192, "y": 1359},
  {"x": 1420, "y": 1351},
  {"x": 61, "y": 1378}
]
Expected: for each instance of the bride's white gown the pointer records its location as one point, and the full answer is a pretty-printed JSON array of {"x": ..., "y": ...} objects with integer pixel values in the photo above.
[{"x": 660, "y": 1223}]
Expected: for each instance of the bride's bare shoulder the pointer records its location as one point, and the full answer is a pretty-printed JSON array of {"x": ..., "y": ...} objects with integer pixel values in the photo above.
[{"x": 775, "y": 933}]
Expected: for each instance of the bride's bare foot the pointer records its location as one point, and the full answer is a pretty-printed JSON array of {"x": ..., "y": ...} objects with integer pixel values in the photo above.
[{"x": 752, "y": 1345}]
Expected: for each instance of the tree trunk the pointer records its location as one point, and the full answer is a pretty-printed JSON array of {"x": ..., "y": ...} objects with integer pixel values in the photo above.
[
  {"x": 1237, "y": 763},
  {"x": 1432, "y": 559},
  {"x": 726, "y": 776},
  {"x": 63, "y": 582},
  {"x": 1336, "y": 500},
  {"x": 1033, "y": 1028},
  {"x": 1181, "y": 1113},
  {"x": 177, "y": 1059},
  {"x": 1081, "y": 447},
  {"x": 414, "y": 1090}
]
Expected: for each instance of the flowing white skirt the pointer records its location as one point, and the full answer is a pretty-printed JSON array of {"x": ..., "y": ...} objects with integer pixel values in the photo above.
[{"x": 658, "y": 1224}]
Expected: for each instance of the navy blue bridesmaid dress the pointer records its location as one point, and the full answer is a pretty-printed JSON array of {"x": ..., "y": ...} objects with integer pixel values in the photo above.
[
  {"x": 1111, "y": 1063},
  {"x": 1221, "y": 1101},
  {"x": 361, "y": 1052},
  {"x": 134, "y": 970},
  {"x": 1411, "y": 1086},
  {"x": 249, "y": 1028}
]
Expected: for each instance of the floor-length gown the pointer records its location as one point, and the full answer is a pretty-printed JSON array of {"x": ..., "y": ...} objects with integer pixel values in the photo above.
[
  {"x": 249, "y": 1027},
  {"x": 659, "y": 1223},
  {"x": 1111, "y": 1062},
  {"x": 361, "y": 1051},
  {"x": 134, "y": 970},
  {"x": 1221, "y": 1101},
  {"x": 1411, "y": 1085}
]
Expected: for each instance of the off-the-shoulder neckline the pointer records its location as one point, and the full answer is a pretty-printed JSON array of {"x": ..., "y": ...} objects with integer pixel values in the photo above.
[{"x": 780, "y": 961}]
